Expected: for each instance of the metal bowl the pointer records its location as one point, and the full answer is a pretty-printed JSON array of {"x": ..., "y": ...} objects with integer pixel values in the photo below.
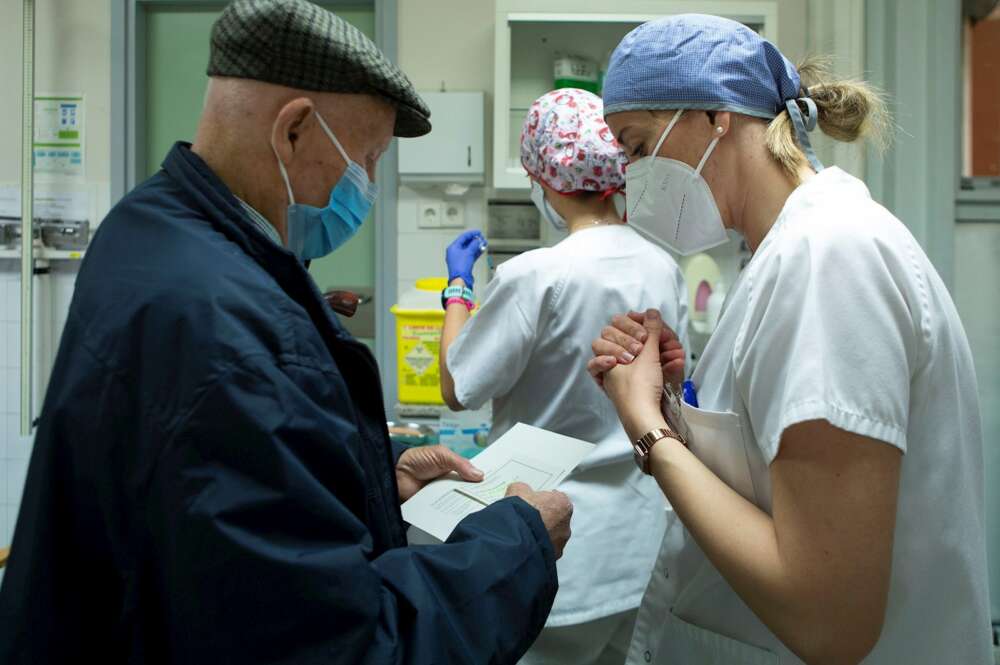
[
  {"x": 411, "y": 434},
  {"x": 65, "y": 235},
  {"x": 10, "y": 233}
]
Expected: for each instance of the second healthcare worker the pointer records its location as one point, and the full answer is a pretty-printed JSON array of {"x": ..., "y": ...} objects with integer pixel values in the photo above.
[
  {"x": 525, "y": 349},
  {"x": 830, "y": 495}
]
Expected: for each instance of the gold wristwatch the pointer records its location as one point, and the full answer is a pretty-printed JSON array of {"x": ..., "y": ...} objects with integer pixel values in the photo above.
[{"x": 642, "y": 447}]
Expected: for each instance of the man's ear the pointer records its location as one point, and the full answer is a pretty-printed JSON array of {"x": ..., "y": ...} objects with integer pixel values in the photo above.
[{"x": 293, "y": 118}]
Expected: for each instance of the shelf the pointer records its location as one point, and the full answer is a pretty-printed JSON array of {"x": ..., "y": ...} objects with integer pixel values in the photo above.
[
  {"x": 529, "y": 33},
  {"x": 516, "y": 244},
  {"x": 421, "y": 411},
  {"x": 45, "y": 254},
  {"x": 471, "y": 179}
]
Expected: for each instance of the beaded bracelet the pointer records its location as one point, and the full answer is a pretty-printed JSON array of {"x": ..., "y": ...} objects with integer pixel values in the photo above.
[
  {"x": 462, "y": 292},
  {"x": 469, "y": 305}
]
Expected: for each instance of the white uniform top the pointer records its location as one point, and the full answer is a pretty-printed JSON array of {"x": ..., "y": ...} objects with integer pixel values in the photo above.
[
  {"x": 839, "y": 316},
  {"x": 527, "y": 349}
]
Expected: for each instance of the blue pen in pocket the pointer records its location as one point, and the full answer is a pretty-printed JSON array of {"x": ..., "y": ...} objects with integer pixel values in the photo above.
[{"x": 690, "y": 394}]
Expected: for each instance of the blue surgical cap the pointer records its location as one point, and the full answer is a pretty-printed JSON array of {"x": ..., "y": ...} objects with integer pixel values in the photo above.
[
  {"x": 699, "y": 62},
  {"x": 693, "y": 61}
]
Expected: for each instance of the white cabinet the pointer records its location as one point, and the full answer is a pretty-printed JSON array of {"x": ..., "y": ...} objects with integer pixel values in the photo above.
[
  {"x": 529, "y": 34},
  {"x": 453, "y": 151}
]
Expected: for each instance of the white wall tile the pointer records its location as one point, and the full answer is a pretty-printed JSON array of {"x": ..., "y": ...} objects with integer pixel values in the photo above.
[
  {"x": 406, "y": 210},
  {"x": 9, "y": 343},
  {"x": 11, "y": 299},
  {"x": 8, "y": 435},
  {"x": 10, "y": 519},
  {"x": 20, "y": 446},
  {"x": 11, "y": 377},
  {"x": 4, "y": 464},
  {"x": 16, "y": 471},
  {"x": 421, "y": 254},
  {"x": 8, "y": 440},
  {"x": 6, "y": 531}
]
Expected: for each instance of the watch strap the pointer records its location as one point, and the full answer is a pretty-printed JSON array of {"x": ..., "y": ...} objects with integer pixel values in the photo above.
[{"x": 643, "y": 445}]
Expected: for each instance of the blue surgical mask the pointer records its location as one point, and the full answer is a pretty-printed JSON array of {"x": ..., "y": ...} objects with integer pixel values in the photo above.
[{"x": 315, "y": 232}]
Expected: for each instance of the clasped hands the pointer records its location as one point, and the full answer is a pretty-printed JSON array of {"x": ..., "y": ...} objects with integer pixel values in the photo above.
[{"x": 633, "y": 358}]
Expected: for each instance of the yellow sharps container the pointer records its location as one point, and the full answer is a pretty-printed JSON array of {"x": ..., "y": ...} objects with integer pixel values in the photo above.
[{"x": 418, "y": 344}]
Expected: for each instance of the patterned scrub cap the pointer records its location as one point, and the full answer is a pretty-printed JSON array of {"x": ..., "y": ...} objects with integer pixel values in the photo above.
[{"x": 566, "y": 144}]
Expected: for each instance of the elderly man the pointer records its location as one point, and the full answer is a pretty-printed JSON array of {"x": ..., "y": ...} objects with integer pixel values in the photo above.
[{"x": 212, "y": 480}]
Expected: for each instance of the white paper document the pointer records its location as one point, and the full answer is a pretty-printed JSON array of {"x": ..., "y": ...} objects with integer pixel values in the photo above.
[
  {"x": 524, "y": 454},
  {"x": 52, "y": 201}
]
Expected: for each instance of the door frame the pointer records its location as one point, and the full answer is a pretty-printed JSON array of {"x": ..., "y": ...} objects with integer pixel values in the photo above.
[
  {"x": 128, "y": 117},
  {"x": 914, "y": 50}
]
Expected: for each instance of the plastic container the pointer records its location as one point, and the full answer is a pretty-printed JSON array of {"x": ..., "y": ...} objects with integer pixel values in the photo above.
[
  {"x": 572, "y": 71},
  {"x": 419, "y": 318},
  {"x": 465, "y": 432}
]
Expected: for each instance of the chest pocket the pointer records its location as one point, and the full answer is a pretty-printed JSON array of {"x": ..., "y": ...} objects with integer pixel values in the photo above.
[
  {"x": 355, "y": 361},
  {"x": 717, "y": 439},
  {"x": 684, "y": 643}
]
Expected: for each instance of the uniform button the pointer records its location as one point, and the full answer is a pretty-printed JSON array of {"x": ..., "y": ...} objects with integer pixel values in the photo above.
[{"x": 648, "y": 656}]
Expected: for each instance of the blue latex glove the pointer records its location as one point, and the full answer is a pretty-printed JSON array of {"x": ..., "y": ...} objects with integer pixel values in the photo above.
[{"x": 462, "y": 254}]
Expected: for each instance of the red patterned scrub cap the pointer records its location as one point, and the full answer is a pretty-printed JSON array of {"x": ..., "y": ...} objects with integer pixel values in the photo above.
[{"x": 566, "y": 145}]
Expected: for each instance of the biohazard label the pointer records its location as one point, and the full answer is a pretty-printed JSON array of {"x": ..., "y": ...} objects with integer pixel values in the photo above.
[{"x": 419, "y": 358}]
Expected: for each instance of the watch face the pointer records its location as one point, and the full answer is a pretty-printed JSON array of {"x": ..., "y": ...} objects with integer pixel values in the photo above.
[{"x": 670, "y": 405}]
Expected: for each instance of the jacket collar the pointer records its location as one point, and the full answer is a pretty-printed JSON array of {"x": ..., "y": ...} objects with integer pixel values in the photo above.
[
  {"x": 217, "y": 201},
  {"x": 224, "y": 212}
]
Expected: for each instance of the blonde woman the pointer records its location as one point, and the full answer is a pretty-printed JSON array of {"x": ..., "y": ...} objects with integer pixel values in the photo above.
[{"x": 829, "y": 488}]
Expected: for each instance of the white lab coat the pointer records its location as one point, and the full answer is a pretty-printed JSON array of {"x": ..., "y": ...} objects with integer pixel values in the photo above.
[
  {"x": 839, "y": 316},
  {"x": 527, "y": 350}
]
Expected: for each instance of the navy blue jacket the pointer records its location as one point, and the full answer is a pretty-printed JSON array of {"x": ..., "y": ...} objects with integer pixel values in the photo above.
[{"x": 212, "y": 479}]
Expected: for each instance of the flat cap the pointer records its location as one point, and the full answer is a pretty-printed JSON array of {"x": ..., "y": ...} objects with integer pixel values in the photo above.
[{"x": 297, "y": 44}]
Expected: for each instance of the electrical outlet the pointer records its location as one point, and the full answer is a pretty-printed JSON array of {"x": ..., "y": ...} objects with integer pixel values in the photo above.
[
  {"x": 453, "y": 216},
  {"x": 429, "y": 214}
]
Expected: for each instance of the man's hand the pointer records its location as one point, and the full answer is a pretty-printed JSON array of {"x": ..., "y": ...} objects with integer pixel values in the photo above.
[
  {"x": 555, "y": 509},
  {"x": 622, "y": 340},
  {"x": 419, "y": 466}
]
